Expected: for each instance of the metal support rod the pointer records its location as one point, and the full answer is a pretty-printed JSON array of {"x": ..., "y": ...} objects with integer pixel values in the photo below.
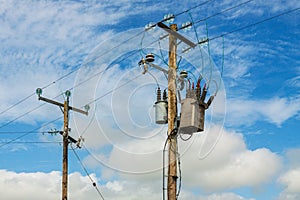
[{"x": 172, "y": 114}]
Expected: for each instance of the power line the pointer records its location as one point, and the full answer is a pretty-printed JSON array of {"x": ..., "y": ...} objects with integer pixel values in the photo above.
[
  {"x": 29, "y": 132},
  {"x": 36, "y": 108},
  {"x": 77, "y": 66},
  {"x": 215, "y": 37},
  {"x": 14, "y": 105},
  {"x": 17, "y": 132},
  {"x": 34, "y": 142},
  {"x": 255, "y": 23},
  {"x": 97, "y": 99},
  {"x": 85, "y": 170},
  {"x": 32, "y": 94},
  {"x": 163, "y": 167},
  {"x": 223, "y": 11},
  {"x": 24, "y": 114},
  {"x": 125, "y": 41},
  {"x": 20, "y": 116},
  {"x": 109, "y": 92},
  {"x": 194, "y": 7},
  {"x": 71, "y": 72}
]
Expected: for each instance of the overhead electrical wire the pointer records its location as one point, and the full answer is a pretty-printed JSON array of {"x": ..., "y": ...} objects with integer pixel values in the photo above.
[
  {"x": 109, "y": 92},
  {"x": 61, "y": 78},
  {"x": 87, "y": 173},
  {"x": 20, "y": 116},
  {"x": 77, "y": 67},
  {"x": 17, "y": 103},
  {"x": 35, "y": 142},
  {"x": 59, "y": 95},
  {"x": 212, "y": 38},
  {"x": 240, "y": 29},
  {"x": 39, "y": 106},
  {"x": 207, "y": 40},
  {"x": 92, "y": 60},
  {"x": 18, "y": 132},
  {"x": 163, "y": 163},
  {"x": 29, "y": 132},
  {"x": 222, "y": 69},
  {"x": 32, "y": 94},
  {"x": 255, "y": 23},
  {"x": 26, "y": 113},
  {"x": 84, "y": 81},
  {"x": 180, "y": 173},
  {"x": 222, "y": 35},
  {"x": 163, "y": 167},
  {"x": 194, "y": 7},
  {"x": 209, "y": 57},
  {"x": 196, "y": 34},
  {"x": 97, "y": 99},
  {"x": 193, "y": 23},
  {"x": 221, "y": 12}
]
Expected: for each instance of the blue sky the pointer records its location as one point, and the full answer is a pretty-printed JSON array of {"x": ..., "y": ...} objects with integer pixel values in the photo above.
[{"x": 250, "y": 146}]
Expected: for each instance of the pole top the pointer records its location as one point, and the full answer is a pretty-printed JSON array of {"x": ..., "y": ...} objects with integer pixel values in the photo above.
[
  {"x": 68, "y": 93},
  {"x": 173, "y": 27},
  {"x": 39, "y": 91}
]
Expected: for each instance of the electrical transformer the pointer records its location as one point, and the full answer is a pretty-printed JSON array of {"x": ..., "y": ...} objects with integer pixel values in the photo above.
[
  {"x": 192, "y": 116},
  {"x": 161, "y": 108},
  {"x": 193, "y": 109},
  {"x": 161, "y": 113}
]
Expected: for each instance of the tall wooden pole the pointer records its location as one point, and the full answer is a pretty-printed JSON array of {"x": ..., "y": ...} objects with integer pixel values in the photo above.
[
  {"x": 66, "y": 138},
  {"x": 65, "y": 151},
  {"x": 172, "y": 114}
]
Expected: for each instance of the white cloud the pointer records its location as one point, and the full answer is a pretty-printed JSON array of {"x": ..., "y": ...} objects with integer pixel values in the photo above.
[
  {"x": 290, "y": 179},
  {"x": 45, "y": 40},
  {"x": 216, "y": 172},
  {"x": 208, "y": 163},
  {"x": 276, "y": 110},
  {"x": 40, "y": 185},
  {"x": 229, "y": 165},
  {"x": 225, "y": 196},
  {"x": 42, "y": 39},
  {"x": 47, "y": 186}
]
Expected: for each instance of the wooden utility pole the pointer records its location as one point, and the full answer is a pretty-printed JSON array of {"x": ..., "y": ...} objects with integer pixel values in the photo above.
[
  {"x": 65, "y": 151},
  {"x": 172, "y": 104},
  {"x": 172, "y": 114},
  {"x": 65, "y": 133}
]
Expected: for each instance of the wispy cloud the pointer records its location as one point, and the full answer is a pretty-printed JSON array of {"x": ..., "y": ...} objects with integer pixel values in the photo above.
[{"x": 276, "y": 110}]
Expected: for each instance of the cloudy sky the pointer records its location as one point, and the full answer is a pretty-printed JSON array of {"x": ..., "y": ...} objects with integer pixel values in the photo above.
[{"x": 249, "y": 149}]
